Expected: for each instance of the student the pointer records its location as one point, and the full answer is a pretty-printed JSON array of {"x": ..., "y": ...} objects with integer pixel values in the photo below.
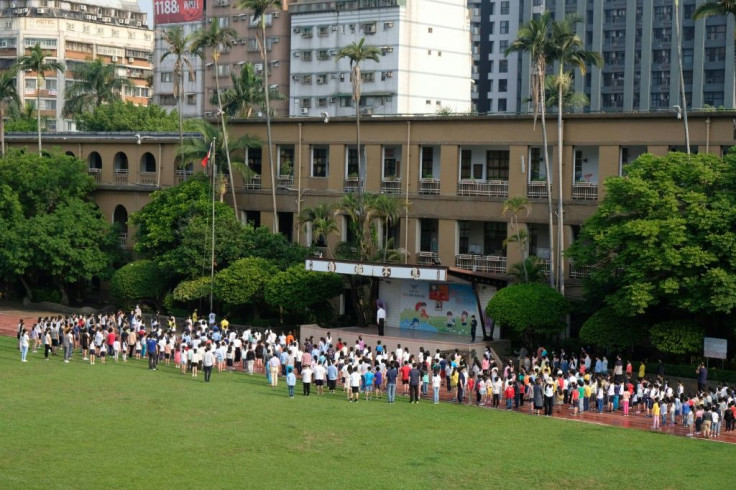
[
  {"x": 368, "y": 378},
  {"x": 290, "y": 381},
  {"x": 436, "y": 384},
  {"x": 655, "y": 415},
  {"x": 306, "y": 380},
  {"x": 24, "y": 341},
  {"x": 354, "y": 376}
]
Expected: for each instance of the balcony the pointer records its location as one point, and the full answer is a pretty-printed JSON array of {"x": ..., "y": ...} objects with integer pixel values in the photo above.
[
  {"x": 485, "y": 188},
  {"x": 481, "y": 263},
  {"x": 352, "y": 184},
  {"x": 123, "y": 240},
  {"x": 391, "y": 185},
  {"x": 579, "y": 271},
  {"x": 586, "y": 191},
  {"x": 120, "y": 175},
  {"x": 253, "y": 183},
  {"x": 428, "y": 258},
  {"x": 147, "y": 178},
  {"x": 536, "y": 190},
  {"x": 429, "y": 187},
  {"x": 285, "y": 182},
  {"x": 182, "y": 175},
  {"x": 96, "y": 173}
]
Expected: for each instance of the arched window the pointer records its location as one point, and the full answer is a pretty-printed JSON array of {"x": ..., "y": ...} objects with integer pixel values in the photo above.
[
  {"x": 69, "y": 154},
  {"x": 120, "y": 162},
  {"x": 120, "y": 221},
  {"x": 148, "y": 163},
  {"x": 94, "y": 162}
]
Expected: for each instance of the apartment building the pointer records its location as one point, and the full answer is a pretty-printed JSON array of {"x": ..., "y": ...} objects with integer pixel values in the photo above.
[{"x": 115, "y": 31}]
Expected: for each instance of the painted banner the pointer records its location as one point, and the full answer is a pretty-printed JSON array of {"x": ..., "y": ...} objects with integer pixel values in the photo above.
[
  {"x": 177, "y": 11},
  {"x": 438, "y": 307}
]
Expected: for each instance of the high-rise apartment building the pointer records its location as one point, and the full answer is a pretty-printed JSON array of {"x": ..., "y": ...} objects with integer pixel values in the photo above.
[
  {"x": 639, "y": 44},
  {"x": 115, "y": 31},
  {"x": 424, "y": 65}
]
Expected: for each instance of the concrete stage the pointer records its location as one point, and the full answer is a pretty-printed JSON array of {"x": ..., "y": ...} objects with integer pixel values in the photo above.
[{"x": 411, "y": 339}]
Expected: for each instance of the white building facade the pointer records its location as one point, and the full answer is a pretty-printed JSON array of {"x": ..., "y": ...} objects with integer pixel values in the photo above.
[{"x": 424, "y": 67}]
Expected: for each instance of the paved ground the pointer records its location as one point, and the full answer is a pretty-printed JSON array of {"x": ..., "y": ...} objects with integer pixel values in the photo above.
[{"x": 9, "y": 316}]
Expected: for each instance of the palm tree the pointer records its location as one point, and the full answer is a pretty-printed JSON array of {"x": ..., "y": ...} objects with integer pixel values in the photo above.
[
  {"x": 322, "y": 218},
  {"x": 245, "y": 96},
  {"x": 96, "y": 84},
  {"x": 8, "y": 97},
  {"x": 178, "y": 47},
  {"x": 357, "y": 53},
  {"x": 534, "y": 38},
  {"x": 721, "y": 8},
  {"x": 515, "y": 206},
  {"x": 195, "y": 148},
  {"x": 568, "y": 49},
  {"x": 36, "y": 62},
  {"x": 218, "y": 39},
  {"x": 387, "y": 210},
  {"x": 259, "y": 8}
]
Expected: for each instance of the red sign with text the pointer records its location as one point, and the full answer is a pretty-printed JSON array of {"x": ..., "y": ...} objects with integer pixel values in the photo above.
[{"x": 177, "y": 11}]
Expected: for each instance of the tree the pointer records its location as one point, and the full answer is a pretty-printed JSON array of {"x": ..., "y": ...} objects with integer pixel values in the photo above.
[
  {"x": 721, "y": 8},
  {"x": 192, "y": 290},
  {"x": 141, "y": 280},
  {"x": 608, "y": 330},
  {"x": 534, "y": 38},
  {"x": 96, "y": 83},
  {"x": 36, "y": 62},
  {"x": 259, "y": 8},
  {"x": 663, "y": 240},
  {"x": 531, "y": 310},
  {"x": 125, "y": 116},
  {"x": 678, "y": 337},
  {"x": 531, "y": 269},
  {"x": 322, "y": 218},
  {"x": 244, "y": 282},
  {"x": 515, "y": 206},
  {"x": 297, "y": 289},
  {"x": 8, "y": 97},
  {"x": 52, "y": 232},
  {"x": 358, "y": 53},
  {"x": 178, "y": 43},
  {"x": 246, "y": 96},
  {"x": 218, "y": 39},
  {"x": 568, "y": 49}
]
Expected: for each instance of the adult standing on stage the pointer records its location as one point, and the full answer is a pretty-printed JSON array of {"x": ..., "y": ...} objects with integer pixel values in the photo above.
[
  {"x": 381, "y": 319},
  {"x": 473, "y": 327}
]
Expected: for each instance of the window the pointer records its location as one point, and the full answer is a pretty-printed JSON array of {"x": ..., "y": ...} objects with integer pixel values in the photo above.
[
  {"x": 48, "y": 104},
  {"x": 254, "y": 159},
  {"x": 502, "y": 85},
  {"x": 286, "y": 160},
  {"x": 497, "y": 165},
  {"x": 167, "y": 76},
  {"x": 494, "y": 234},
  {"x": 503, "y": 66},
  {"x": 323, "y": 55},
  {"x": 307, "y": 55},
  {"x": 537, "y": 172},
  {"x": 715, "y": 54},
  {"x": 503, "y": 45},
  {"x": 466, "y": 163},
  {"x": 51, "y": 84},
  {"x": 714, "y": 76},
  {"x": 490, "y": 47},
  {"x": 491, "y": 26},
  {"x": 391, "y": 161},
  {"x": 501, "y": 105},
  {"x": 427, "y": 162},
  {"x": 368, "y": 76},
  {"x": 352, "y": 169},
  {"x": 429, "y": 30},
  {"x": 320, "y": 161},
  {"x": 30, "y": 42},
  {"x": 503, "y": 27},
  {"x": 191, "y": 99},
  {"x": 31, "y": 83},
  {"x": 492, "y": 10},
  {"x": 504, "y": 8},
  {"x": 323, "y": 31}
]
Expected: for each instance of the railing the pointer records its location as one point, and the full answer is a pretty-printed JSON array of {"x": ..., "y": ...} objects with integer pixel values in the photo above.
[
  {"x": 487, "y": 188},
  {"x": 285, "y": 182},
  {"x": 481, "y": 263},
  {"x": 120, "y": 175},
  {"x": 391, "y": 185},
  {"x": 585, "y": 190},
  {"x": 428, "y": 258},
  {"x": 352, "y": 184},
  {"x": 544, "y": 265},
  {"x": 579, "y": 271},
  {"x": 182, "y": 175},
  {"x": 96, "y": 173},
  {"x": 536, "y": 190},
  {"x": 253, "y": 183},
  {"x": 147, "y": 178},
  {"x": 429, "y": 186},
  {"x": 123, "y": 240}
]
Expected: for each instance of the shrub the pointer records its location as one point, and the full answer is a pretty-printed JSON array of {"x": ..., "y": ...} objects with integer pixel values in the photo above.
[
  {"x": 679, "y": 337},
  {"x": 139, "y": 280}
]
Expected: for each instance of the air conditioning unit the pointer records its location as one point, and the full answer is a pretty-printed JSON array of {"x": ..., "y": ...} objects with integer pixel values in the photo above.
[
  {"x": 83, "y": 8},
  {"x": 258, "y": 67},
  {"x": 333, "y": 52},
  {"x": 334, "y": 76},
  {"x": 333, "y": 28},
  {"x": 297, "y": 30},
  {"x": 296, "y": 78},
  {"x": 389, "y": 74},
  {"x": 332, "y": 100},
  {"x": 368, "y": 111},
  {"x": 114, "y": 59},
  {"x": 40, "y": 11},
  {"x": 235, "y": 18},
  {"x": 131, "y": 60},
  {"x": 208, "y": 114},
  {"x": 297, "y": 54},
  {"x": 106, "y": 20},
  {"x": 126, "y": 21},
  {"x": 305, "y": 111},
  {"x": 138, "y": 24}
]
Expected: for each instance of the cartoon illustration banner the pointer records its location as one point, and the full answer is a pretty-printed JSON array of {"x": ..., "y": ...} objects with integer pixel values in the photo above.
[{"x": 438, "y": 307}]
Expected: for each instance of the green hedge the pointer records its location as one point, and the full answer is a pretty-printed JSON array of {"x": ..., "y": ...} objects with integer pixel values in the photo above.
[{"x": 687, "y": 371}]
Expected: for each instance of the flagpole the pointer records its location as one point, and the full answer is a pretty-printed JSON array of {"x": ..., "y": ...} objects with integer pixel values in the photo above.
[{"x": 214, "y": 192}]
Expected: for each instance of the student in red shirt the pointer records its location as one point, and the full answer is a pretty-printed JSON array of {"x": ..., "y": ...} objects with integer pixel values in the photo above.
[
  {"x": 110, "y": 340},
  {"x": 404, "y": 371},
  {"x": 509, "y": 394}
]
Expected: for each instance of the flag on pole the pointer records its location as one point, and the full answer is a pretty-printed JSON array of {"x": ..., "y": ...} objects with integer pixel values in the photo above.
[{"x": 207, "y": 157}]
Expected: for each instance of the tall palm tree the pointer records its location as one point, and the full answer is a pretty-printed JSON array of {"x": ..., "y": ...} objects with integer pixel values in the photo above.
[
  {"x": 357, "y": 53},
  {"x": 515, "y": 206},
  {"x": 568, "y": 49},
  {"x": 218, "y": 39},
  {"x": 322, "y": 218},
  {"x": 96, "y": 84},
  {"x": 259, "y": 8},
  {"x": 8, "y": 97},
  {"x": 534, "y": 38},
  {"x": 721, "y": 8},
  {"x": 194, "y": 149},
  {"x": 245, "y": 96},
  {"x": 178, "y": 47},
  {"x": 36, "y": 62},
  {"x": 387, "y": 210}
]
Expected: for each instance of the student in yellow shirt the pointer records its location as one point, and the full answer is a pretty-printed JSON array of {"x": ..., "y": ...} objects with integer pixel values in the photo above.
[{"x": 655, "y": 414}]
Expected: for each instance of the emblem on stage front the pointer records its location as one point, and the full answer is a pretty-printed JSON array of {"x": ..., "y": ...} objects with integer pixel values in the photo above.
[
  {"x": 415, "y": 273},
  {"x": 359, "y": 269},
  {"x": 386, "y": 271},
  {"x": 310, "y": 265},
  {"x": 331, "y": 267}
]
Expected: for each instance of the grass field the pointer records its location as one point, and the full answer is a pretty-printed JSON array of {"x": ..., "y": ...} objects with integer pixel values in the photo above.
[{"x": 122, "y": 426}]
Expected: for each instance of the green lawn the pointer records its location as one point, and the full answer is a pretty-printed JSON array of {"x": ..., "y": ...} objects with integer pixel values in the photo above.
[{"x": 118, "y": 426}]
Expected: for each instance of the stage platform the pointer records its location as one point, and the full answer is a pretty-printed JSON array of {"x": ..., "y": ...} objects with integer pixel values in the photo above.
[{"x": 411, "y": 339}]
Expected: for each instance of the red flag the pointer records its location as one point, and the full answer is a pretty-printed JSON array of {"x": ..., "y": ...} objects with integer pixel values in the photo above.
[{"x": 207, "y": 157}]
